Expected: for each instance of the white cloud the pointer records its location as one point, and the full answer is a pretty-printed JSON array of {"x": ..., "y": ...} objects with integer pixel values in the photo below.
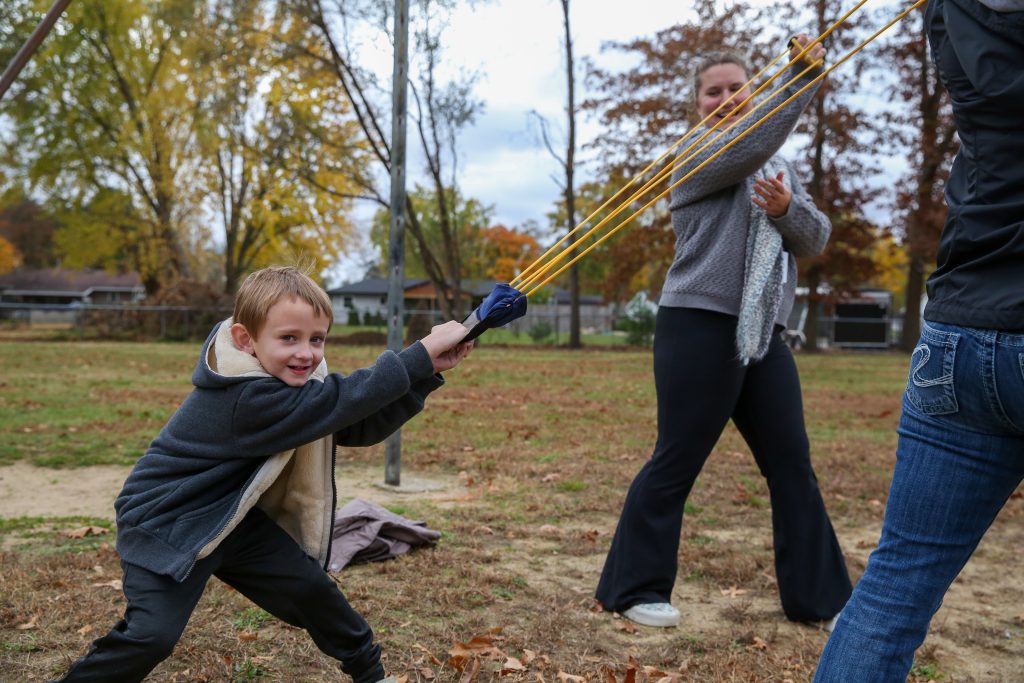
[{"x": 516, "y": 47}]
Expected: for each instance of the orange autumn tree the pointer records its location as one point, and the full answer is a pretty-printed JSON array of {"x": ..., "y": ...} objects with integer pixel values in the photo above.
[
  {"x": 503, "y": 253},
  {"x": 642, "y": 111}
]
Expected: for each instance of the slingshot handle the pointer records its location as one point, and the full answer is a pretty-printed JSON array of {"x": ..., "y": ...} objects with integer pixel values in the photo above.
[{"x": 792, "y": 43}]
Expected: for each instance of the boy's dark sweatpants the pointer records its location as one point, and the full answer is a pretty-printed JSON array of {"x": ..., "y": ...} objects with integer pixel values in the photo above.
[{"x": 263, "y": 563}]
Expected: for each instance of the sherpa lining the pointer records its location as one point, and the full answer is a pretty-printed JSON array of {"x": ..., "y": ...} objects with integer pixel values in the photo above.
[{"x": 295, "y": 488}]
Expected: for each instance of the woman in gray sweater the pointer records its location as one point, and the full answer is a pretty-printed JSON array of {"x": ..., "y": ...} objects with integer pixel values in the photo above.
[{"x": 739, "y": 223}]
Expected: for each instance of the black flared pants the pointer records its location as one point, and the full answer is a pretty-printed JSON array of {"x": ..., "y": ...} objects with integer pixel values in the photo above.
[
  {"x": 700, "y": 385},
  {"x": 264, "y": 564}
]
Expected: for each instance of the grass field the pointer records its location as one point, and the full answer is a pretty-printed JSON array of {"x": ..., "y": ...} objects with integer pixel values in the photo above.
[{"x": 537, "y": 448}]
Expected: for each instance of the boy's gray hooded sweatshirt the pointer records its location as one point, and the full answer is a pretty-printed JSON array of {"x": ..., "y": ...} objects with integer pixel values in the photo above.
[
  {"x": 244, "y": 438},
  {"x": 711, "y": 211}
]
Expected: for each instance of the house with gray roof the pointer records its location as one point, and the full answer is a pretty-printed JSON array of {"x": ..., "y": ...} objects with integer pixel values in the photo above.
[
  {"x": 54, "y": 293},
  {"x": 367, "y": 301}
]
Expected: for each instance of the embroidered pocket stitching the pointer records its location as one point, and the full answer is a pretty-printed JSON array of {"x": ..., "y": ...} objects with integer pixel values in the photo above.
[{"x": 926, "y": 354}]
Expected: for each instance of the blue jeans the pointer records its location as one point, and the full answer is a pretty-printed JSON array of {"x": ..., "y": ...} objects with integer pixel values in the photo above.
[{"x": 960, "y": 456}]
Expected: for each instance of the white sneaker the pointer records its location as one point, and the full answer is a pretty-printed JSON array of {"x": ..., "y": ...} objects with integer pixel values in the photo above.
[
  {"x": 660, "y": 614},
  {"x": 831, "y": 624}
]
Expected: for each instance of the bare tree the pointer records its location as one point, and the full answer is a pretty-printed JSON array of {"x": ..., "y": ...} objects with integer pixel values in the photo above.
[
  {"x": 567, "y": 163},
  {"x": 320, "y": 34}
]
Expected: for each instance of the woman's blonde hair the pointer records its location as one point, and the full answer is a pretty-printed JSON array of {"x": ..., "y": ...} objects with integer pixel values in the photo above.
[{"x": 264, "y": 288}]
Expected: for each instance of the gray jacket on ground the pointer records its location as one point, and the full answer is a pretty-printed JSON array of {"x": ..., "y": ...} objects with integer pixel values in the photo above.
[
  {"x": 711, "y": 212},
  {"x": 244, "y": 438}
]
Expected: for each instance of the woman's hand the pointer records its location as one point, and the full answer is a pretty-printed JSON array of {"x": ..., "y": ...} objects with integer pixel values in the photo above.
[
  {"x": 772, "y": 195},
  {"x": 816, "y": 53}
]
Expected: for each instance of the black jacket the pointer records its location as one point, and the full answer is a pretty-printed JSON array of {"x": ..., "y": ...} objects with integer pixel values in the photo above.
[
  {"x": 979, "y": 281},
  {"x": 244, "y": 438}
]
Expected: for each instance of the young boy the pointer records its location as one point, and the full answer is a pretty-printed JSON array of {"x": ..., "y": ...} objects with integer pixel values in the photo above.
[{"x": 239, "y": 484}]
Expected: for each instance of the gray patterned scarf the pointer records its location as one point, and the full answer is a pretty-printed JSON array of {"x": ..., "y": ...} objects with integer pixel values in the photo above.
[{"x": 762, "y": 281}]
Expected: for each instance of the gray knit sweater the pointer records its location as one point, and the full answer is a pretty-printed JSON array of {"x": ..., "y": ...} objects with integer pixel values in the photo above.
[{"x": 711, "y": 214}]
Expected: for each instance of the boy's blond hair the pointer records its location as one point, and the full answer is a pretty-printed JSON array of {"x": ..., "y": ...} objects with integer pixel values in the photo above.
[{"x": 264, "y": 288}]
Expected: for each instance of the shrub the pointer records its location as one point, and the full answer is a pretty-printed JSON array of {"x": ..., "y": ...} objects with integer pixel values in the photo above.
[
  {"x": 638, "y": 324},
  {"x": 540, "y": 330}
]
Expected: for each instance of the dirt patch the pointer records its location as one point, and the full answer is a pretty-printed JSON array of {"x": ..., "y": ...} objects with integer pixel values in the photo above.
[{"x": 30, "y": 491}]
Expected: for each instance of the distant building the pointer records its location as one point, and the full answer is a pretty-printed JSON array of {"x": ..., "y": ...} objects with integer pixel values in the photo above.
[
  {"x": 369, "y": 298},
  {"x": 47, "y": 288}
]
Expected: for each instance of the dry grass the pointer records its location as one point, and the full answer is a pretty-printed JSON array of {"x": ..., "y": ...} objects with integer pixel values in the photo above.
[{"x": 542, "y": 446}]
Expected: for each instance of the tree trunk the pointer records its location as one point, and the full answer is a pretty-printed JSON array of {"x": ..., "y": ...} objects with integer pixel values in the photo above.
[
  {"x": 912, "y": 316},
  {"x": 811, "y": 322},
  {"x": 575, "y": 340}
]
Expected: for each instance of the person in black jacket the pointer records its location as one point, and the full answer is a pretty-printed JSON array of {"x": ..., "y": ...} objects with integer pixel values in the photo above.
[
  {"x": 961, "y": 444},
  {"x": 239, "y": 484}
]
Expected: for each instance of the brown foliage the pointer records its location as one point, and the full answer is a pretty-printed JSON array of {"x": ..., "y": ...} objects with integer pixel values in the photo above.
[{"x": 28, "y": 228}]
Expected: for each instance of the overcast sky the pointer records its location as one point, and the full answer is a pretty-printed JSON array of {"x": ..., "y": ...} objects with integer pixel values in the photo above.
[
  {"x": 517, "y": 48},
  {"x": 519, "y": 45}
]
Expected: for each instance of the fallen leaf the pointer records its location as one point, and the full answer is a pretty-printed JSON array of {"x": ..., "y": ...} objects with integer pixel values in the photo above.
[
  {"x": 758, "y": 643},
  {"x": 548, "y": 478},
  {"x": 248, "y": 636},
  {"x": 434, "y": 660},
  {"x": 427, "y": 673},
  {"x": 115, "y": 584},
  {"x": 84, "y": 531},
  {"x": 529, "y": 656},
  {"x": 479, "y": 646},
  {"x": 631, "y": 670},
  {"x": 569, "y": 678},
  {"x": 471, "y": 671},
  {"x": 512, "y": 665},
  {"x": 30, "y": 624},
  {"x": 85, "y": 629},
  {"x": 655, "y": 674},
  {"x": 626, "y": 626},
  {"x": 732, "y": 591}
]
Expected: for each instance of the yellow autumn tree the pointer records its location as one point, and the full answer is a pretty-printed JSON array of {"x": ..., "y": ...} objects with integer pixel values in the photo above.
[
  {"x": 9, "y": 257},
  {"x": 891, "y": 262}
]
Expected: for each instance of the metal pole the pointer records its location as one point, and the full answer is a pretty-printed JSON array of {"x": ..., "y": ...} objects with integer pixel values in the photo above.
[
  {"x": 396, "y": 244},
  {"x": 31, "y": 45}
]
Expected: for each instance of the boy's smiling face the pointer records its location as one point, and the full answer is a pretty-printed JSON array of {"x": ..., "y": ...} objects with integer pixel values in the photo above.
[{"x": 291, "y": 341}]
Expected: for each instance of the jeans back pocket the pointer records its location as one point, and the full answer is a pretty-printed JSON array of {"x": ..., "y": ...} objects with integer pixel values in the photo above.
[{"x": 930, "y": 384}]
